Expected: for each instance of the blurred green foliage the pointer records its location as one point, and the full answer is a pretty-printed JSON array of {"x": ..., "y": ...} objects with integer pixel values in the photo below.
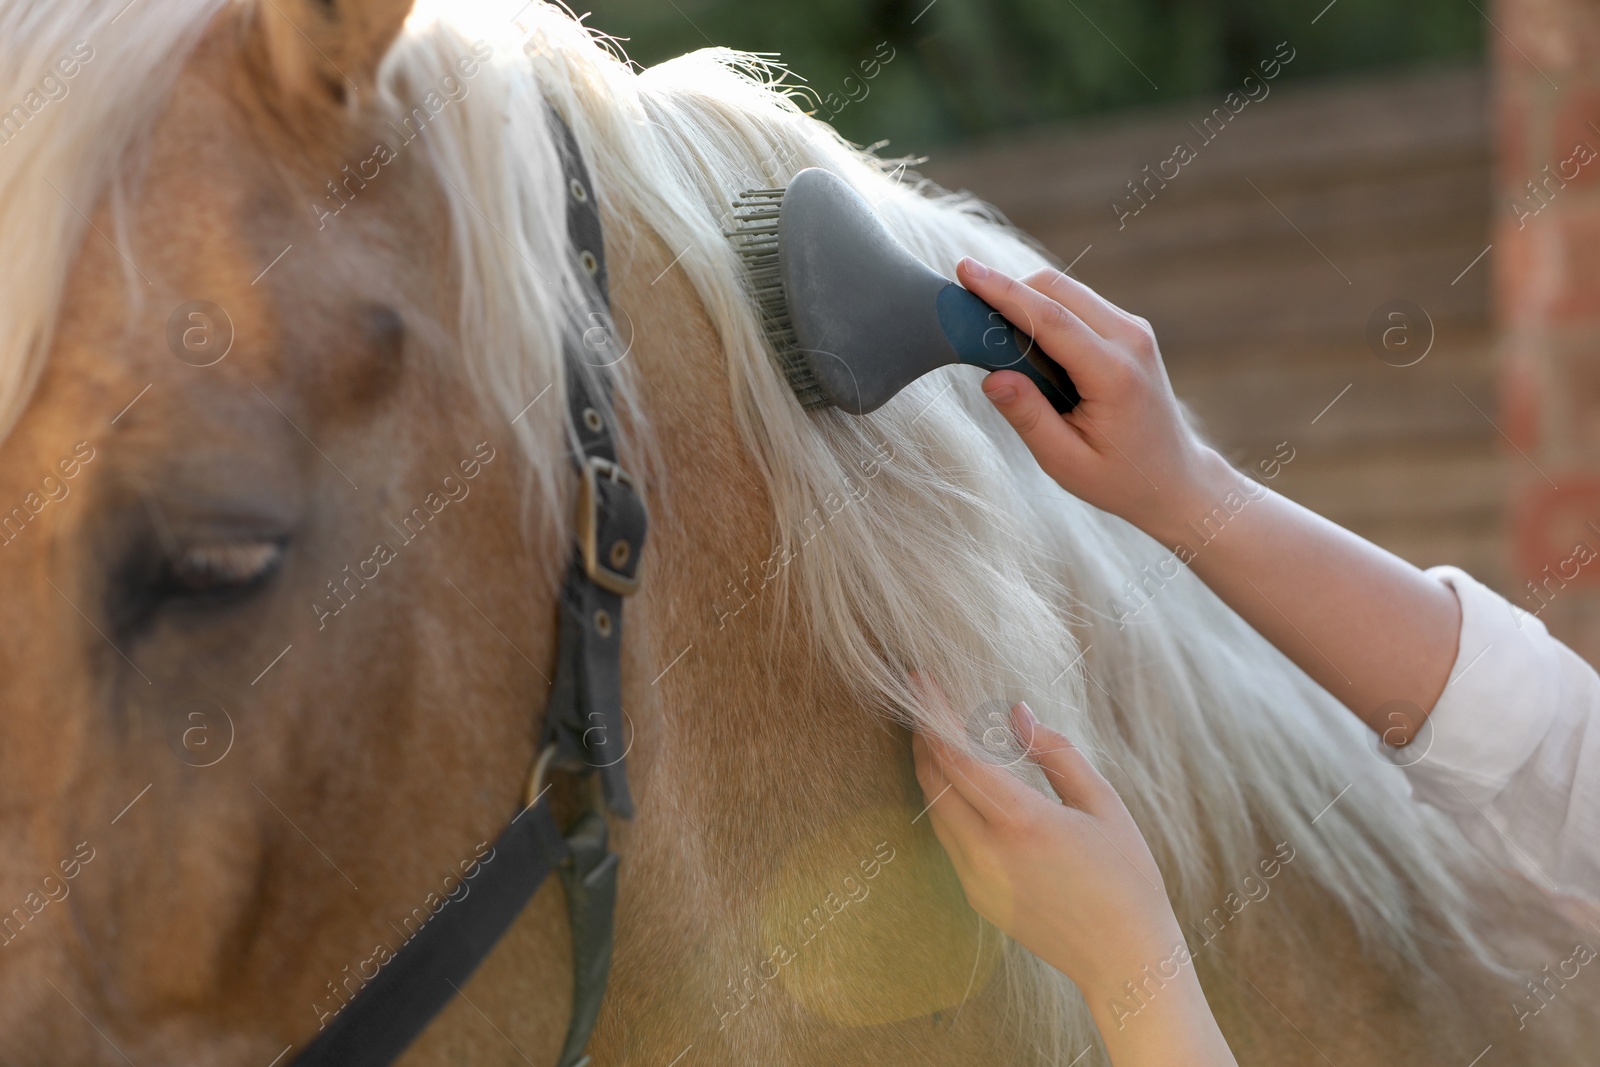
[{"x": 967, "y": 69}]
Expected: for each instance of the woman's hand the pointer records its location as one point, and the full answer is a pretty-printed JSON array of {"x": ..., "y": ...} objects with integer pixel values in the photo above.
[
  {"x": 1076, "y": 884},
  {"x": 1126, "y": 447},
  {"x": 1369, "y": 627},
  {"x": 1072, "y": 880}
]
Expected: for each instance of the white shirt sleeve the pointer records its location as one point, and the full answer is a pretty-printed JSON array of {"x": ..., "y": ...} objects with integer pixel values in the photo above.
[{"x": 1512, "y": 748}]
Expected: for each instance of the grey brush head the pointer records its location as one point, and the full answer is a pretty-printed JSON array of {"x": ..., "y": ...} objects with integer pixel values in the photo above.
[
  {"x": 855, "y": 317},
  {"x": 847, "y": 306}
]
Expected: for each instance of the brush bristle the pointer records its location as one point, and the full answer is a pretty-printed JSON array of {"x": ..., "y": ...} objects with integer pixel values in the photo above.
[{"x": 755, "y": 237}]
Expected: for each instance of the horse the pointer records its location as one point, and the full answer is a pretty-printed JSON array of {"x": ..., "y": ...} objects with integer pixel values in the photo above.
[{"x": 286, "y": 503}]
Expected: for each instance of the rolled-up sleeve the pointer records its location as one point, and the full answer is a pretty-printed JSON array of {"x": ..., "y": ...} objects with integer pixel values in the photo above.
[{"x": 1510, "y": 750}]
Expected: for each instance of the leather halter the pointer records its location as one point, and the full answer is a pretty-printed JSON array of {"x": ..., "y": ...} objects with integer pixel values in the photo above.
[{"x": 583, "y": 732}]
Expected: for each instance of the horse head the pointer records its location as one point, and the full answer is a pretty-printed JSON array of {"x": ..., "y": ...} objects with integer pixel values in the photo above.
[{"x": 287, "y": 498}]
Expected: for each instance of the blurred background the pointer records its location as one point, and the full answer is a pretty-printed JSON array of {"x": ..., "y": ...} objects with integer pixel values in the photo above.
[{"x": 1367, "y": 233}]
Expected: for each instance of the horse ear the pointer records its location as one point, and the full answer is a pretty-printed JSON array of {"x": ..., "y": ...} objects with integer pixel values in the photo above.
[{"x": 325, "y": 51}]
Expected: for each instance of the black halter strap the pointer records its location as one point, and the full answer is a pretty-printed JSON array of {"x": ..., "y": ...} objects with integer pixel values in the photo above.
[{"x": 583, "y": 731}]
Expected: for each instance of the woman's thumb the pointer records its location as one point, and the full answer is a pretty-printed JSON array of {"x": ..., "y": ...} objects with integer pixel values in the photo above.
[{"x": 1030, "y": 414}]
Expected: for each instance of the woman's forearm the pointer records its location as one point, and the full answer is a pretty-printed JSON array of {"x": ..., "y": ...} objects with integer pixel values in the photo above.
[{"x": 1375, "y": 631}]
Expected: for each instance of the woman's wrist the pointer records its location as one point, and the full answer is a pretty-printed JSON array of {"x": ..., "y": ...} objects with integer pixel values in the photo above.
[
  {"x": 1210, "y": 483},
  {"x": 1163, "y": 1023},
  {"x": 1154, "y": 957}
]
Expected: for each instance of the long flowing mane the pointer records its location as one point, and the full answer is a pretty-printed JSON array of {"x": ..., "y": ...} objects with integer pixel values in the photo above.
[{"x": 922, "y": 536}]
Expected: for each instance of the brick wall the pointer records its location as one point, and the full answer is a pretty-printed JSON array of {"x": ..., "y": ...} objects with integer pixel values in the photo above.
[{"x": 1546, "y": 259}]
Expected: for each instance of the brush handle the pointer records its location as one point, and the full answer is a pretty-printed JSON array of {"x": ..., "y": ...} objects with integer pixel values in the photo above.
[{"x": 981, "y": 337}]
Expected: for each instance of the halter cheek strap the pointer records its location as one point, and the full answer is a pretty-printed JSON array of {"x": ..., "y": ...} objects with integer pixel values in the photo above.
[{"x": 582, "y": 735}]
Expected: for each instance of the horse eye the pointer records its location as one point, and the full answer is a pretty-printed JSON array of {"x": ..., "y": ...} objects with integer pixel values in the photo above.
[{"x": 221, "y": 567}]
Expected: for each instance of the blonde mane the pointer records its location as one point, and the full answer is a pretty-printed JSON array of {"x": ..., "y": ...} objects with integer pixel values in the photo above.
[{"x": 920, "y": 536}]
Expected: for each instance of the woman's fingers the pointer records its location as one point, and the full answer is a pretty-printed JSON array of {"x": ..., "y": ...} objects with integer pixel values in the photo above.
[
  {"x": 1061, "y": 334},
  {"x": 1047, "y": 435},
  {"x": 954, "y": 819},
  {"x": 1056, "y": 446},
  {"x": 1068, "y": 770},
  {"x": 1102, "y": 315},
  {"x": 991, "y": 791},
  {"x": 988, "y": 790}
]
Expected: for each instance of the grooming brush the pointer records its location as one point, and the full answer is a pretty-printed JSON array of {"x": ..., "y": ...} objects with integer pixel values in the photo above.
[{"x": 854, "y": 316}]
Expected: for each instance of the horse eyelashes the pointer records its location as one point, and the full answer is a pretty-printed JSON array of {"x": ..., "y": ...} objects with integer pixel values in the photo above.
[{"x": 223, "y": 566}]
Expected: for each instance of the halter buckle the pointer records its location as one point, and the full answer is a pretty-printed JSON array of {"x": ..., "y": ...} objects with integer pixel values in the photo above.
[{"x": 588, "y": 527}]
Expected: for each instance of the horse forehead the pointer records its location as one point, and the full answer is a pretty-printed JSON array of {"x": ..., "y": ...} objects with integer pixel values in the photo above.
[
  {"x": 214, "y": 259},
  {"x": 212, "y": 155},
  {"x": 186, "y": 223}
]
